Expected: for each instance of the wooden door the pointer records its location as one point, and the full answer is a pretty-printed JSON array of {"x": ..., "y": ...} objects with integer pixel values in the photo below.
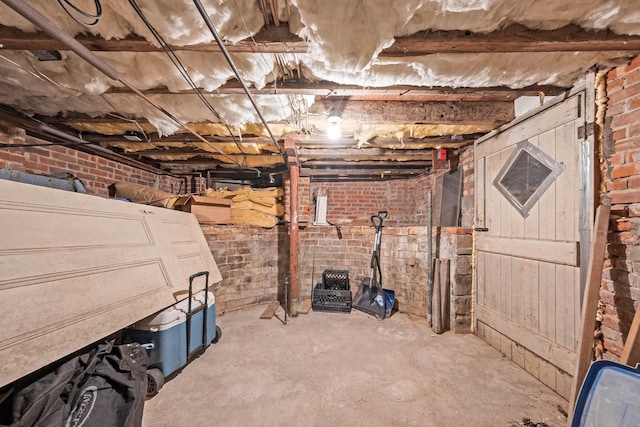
[
  {"x": 529, "y": 204},
  {"x": 76, "y": 268}
]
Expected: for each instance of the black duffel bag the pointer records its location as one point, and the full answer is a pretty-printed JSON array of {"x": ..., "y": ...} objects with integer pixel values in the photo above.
[{"x": 105, "y": 387}]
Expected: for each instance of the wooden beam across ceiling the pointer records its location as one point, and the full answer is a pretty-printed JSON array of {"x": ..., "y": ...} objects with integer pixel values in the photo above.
[
  {"x": 432, "y": 112},
  {"x": 269, "y": 40},
  {"x": 278, "y": 39},
  {"x": 383, "y": 112},
  {"x": 331, "y": 89},
  {"x": 362, "y": 154}
]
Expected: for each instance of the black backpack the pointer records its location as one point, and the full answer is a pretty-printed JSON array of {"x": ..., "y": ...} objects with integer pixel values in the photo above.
[{"x": 105, "y": 387}]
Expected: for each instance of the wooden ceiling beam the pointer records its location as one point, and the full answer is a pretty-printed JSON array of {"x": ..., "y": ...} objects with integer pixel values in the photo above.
[
  {"x": 269, "y": 40},
  {"x": 514, "y": 38},
  {"x": 448, "y": 141},
  {"x": 329, "y": 90},
  {"x": 278, "y": 39},
  {"x": 432, "y": 112},
  {"x": 363, "y": 154},
  {"x": 384, "y": 112}
]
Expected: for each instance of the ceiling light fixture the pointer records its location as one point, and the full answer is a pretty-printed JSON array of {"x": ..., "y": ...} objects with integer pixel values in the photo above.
[
  {"x": 132, "y": 136},
  {"x": 333, "y": 131}
]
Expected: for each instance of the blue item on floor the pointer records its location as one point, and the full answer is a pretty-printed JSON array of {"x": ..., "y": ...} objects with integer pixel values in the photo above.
[
  {"x": 609, "y": 397},
  {"x": 389, "y": 300},
  {"x": 164, "y": 334}
]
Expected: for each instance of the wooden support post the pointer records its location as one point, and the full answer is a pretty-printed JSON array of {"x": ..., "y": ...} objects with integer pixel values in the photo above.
[
  {"x": 436, "y": 314},
  {"x": 445, "y": 289},
  {"x": 631, "y": 351},
  {"x": 590, "y": 302},
  {"x": 294, "y": 175}
]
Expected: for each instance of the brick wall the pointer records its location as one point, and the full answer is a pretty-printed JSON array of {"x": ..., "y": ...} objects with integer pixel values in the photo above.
[
  {"x": 355, "y": 202},
  {"x": 620, "y": 291},
  {"x": 96, "y": 172},
  {"x": 467, "y": 205},
  {"x": 456, "y": 246},
  {"x": 402, "y": 258},
  {"x": 253, "y": 262}
]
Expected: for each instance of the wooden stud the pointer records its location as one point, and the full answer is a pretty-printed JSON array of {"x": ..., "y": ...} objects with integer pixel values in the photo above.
[
  {"x": 590, "y": 301},
  {"x": 631, "y": 351},
  {"x": 294, "y": 286}
]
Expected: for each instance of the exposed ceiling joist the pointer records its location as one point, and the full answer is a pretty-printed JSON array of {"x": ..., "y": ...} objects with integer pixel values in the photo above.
[
  {"x": 514, "y": 38},
  {"x": 321, "y": 143},
  {"x": 278, "y": 39},
  {"x": 307, "y": 155},
  {"x": 386, "y": 132},
  {"x": 434, "y": 112},
  {"x": 330, "y": 89},
  {"x": 270, "y": 40},
  {"x": 387, "y": 112}
]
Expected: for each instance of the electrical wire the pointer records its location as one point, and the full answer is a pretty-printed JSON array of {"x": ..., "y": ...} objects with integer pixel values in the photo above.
[
  {"x": 54, "y": 31},
  {"x": 182, "y": 70},
  {"x": 262, "y": 56},
  {"x": 225, "y": 52},
  {"x": 118, "y": 116},
  {"x": 96, "y": 17}
]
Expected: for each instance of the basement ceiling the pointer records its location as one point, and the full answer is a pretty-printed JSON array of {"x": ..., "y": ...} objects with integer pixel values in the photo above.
[{"x": 405, "y": 78}]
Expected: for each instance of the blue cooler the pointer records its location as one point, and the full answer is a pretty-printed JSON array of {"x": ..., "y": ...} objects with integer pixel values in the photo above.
[{"x": 164, "y": 334}]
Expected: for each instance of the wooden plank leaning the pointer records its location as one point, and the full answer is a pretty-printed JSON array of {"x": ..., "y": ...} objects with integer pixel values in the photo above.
[{"x": 584, "y": 352}]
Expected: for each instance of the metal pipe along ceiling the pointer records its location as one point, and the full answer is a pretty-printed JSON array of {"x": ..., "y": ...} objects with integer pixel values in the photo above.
[
  {"x": 50, "y": 28},
  {"x": 225, "y": 52}
]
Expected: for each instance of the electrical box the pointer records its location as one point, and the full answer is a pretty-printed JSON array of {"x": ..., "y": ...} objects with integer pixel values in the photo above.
[{"x": 321, "y": 210}]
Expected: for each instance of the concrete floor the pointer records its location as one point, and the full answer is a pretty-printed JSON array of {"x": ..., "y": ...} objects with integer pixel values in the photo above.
[{"x": 330, "y": 369}]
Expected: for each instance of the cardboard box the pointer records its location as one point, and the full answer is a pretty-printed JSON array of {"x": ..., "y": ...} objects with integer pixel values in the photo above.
[{"x": 206, "y": 209}]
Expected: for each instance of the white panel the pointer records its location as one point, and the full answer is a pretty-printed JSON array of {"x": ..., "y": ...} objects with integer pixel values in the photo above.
[{"x": 77, "y": 268}]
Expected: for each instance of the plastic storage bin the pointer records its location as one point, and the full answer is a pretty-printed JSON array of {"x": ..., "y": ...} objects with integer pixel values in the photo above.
[
  {"x": 334, "y": 293},
  {"x": 609, "y": 397}
]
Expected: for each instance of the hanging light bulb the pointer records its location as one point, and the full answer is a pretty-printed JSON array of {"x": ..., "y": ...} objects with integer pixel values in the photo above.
[{"x": 334, "y": 132}]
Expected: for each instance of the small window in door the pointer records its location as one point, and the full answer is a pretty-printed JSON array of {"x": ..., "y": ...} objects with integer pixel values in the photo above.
[{"x": 526, "y": 175}]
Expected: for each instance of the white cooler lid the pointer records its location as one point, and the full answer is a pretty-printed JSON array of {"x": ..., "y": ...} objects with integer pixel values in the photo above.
[{"x": 173, "y": 315}]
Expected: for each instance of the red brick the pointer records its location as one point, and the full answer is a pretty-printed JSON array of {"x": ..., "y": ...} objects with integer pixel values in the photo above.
[
  {"x": 614, "y": 347},
  {"x": 629, "y": 143},
  {"x": 614, "y": 74},
  {"x": 624, "y": 225},
  {"x": 633, "y": 182},
  {"x": 633, "y": 156},
  {"x": 618, "y": 184},
  {"x": 634, "y": 104},
  {"x": 625, "y": 196},
  {"x": 632, "y": 77},
  {"x": 619, "y": 134},
  {"x": 617, "y": 159},
  {"x": 624, "y": 94},
  {"x": 626, "y": 118},
  {"x": 616, "y": 109},
  {"x": 626, "y": 170},
  {"x": 614, "y": 85}
]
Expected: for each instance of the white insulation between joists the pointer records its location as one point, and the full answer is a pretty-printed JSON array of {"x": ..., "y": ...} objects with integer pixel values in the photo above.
[{"x": 345, "y": 39}]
